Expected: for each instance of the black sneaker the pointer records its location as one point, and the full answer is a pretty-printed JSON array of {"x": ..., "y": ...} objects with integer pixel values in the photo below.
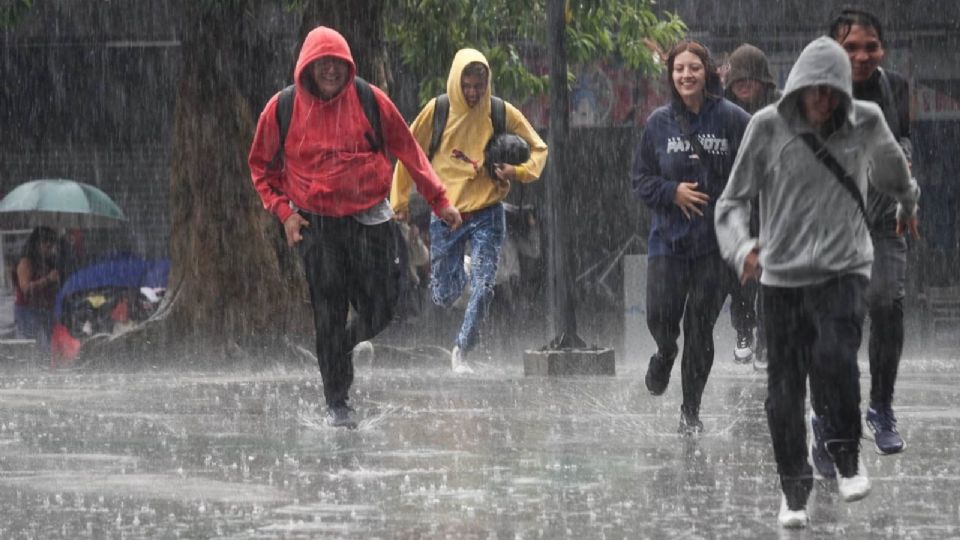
[
  {"x": 821, "y": 459},
  {"x": 743, "y": 352},
  {"x": 658, "y": 375},
  {"x": 690, "y": 423},
  {"x": 883, "y": 423},
  {"x": 341, "y": 415}
]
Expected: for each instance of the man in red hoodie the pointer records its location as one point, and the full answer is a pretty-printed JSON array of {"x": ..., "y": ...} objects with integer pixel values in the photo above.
[{"x": 330, "y": 193}]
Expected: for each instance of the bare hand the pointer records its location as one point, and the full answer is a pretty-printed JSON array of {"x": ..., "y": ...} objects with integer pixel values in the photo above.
[
  {"x": 751, "y": 267},
  {"x": 911, "y": 225},
  {"x": 53, "y": 276},
  {"x": 401, "y": 216},
  {"x": 292, "y": 226},
  {"x": 505, "y": 171},
  {"x": 451, "y": 217},
  {"x": 689, "y": 199}
]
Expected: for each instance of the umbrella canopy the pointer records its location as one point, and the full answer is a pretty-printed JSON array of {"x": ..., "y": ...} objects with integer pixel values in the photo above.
[{"x": 58, "y": 204}]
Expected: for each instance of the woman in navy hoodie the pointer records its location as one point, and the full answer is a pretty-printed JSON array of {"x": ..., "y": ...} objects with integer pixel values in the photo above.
[{"x": 681, "y": 167}]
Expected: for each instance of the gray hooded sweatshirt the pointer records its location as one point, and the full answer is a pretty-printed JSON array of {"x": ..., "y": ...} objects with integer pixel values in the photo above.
[{"x": 811, "y": 228}]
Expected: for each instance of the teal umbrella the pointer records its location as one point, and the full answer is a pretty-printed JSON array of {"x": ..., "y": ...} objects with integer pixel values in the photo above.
[{"x": 58, "y": 204}]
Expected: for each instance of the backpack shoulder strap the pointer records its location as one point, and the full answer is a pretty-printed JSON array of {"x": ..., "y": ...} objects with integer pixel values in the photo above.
[
  {"x": 372, "y": 111},
  {"x": 837, "y": 169},
  {"x": 498, "y": 115},
  {"x": 284, "y": 113},
  {"x": 441, "y": 110},
  {"x": 887, "y": 105}
]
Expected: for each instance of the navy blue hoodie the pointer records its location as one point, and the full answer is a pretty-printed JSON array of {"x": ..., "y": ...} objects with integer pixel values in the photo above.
[{"x": 665, "y": 158}]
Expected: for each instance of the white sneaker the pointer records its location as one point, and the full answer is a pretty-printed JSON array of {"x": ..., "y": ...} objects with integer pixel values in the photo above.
[
  {"x": 791, "y": 519},
  {"x": 760, "y": 360},
  {"x": 457, "y": 363},
  {"x": 855, "y": 487},
  {"x": 363, "y": 352},
  {"x": 743, "y": 351}
]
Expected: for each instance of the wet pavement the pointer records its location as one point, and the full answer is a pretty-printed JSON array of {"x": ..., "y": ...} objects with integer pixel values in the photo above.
[{"x": 492, "y": 455}]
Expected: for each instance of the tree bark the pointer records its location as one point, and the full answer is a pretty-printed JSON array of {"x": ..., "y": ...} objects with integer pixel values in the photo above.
[
  {"x": 235, "y": 288},
  {"x": 362, "y": 24},
  {"x": 236, "y": 291},
  {"x": 228, "y": 280}
]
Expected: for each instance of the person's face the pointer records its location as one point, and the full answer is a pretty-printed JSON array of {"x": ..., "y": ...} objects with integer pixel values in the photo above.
[
  {"x": 473, "y": 88},
  {"x": 819, "y": 102},
  {"x": 48, "y": 248},
  {"x": 865, "y": 51},
  {"x": 330, "y": 75},
  {"x": 689, "y": 75},
  {"x": 746, "y": 90}
]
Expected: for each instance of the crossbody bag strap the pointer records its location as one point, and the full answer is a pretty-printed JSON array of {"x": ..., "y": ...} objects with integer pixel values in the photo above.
[{"x": 834, "y": 166}]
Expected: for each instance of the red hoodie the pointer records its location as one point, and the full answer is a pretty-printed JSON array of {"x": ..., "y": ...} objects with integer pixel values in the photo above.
[{"x": 329, "y": 167}]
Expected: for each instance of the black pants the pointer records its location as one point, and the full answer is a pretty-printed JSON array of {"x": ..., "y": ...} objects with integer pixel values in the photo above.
[
  {"x": 691, "y": 291},
  {"x": 348, "y": 264},
  {"x": 813, "y": 331},
  {"x": 743, "y": 314},
  {"x": 885, "y": 299}
]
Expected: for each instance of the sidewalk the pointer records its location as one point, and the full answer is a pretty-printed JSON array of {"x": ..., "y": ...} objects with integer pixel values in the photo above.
[{"x": 496, "y": 455}]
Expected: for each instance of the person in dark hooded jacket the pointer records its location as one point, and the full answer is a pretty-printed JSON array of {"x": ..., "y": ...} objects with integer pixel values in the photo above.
[
  {"x": 681, "y": 167},
  {"x": 330, "y": 194},
  {"x": 750, "y": 85},
  {"x": 749, "y": 82},
  {"x": 861, "y": 36}
]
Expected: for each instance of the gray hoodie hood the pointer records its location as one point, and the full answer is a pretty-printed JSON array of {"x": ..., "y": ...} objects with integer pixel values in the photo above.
[
  {"x": 823, "y": 62},
  {"x": 811, "y": 228}
]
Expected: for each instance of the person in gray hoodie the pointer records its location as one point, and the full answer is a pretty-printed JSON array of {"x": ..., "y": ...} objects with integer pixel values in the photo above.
[{"x": 815, "y": 253}]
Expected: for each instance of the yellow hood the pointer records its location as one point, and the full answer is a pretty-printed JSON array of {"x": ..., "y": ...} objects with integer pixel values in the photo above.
[{"x": 467, "y": 130}]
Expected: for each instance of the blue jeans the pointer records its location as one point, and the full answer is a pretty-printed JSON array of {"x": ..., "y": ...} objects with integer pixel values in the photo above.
[{"x": 484, "y": 229}]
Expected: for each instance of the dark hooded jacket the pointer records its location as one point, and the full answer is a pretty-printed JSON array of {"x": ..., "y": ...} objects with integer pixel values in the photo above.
[
  {"x": 749, "y": 62},
  {"x": 665, "y": 158},
  {"x": 894, "y": 101}
]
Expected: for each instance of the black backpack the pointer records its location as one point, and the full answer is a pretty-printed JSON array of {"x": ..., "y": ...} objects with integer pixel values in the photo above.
[
  {"x": 498, "y": 115},
  {"x": 367, "y": 101}
]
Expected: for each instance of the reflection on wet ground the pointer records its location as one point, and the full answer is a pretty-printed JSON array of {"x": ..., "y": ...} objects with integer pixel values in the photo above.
[{"x": 493, "y": 455}]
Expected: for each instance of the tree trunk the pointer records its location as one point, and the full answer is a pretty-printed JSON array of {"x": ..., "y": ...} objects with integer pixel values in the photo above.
[
  {"x": 236, "y": 290},
  {"x": 231, "y": 277},
  {"x": 361, "y": 23},
  {"x": 235, "y": 287}
]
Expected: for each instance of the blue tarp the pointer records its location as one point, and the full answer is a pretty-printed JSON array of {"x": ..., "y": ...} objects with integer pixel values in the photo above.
[{"x": 126, "y": 271}]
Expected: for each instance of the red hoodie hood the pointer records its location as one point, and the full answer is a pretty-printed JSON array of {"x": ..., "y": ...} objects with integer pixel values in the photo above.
[
  {"x": 330, "y": 167},
  {"x": 320, "y": 42}
]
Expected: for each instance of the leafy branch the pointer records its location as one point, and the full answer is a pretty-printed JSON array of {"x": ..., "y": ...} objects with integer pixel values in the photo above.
[{"x": 427, "y": 33}]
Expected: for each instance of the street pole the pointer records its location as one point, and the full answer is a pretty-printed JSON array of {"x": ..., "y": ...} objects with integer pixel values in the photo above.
[
  {"x": 566, "y": 354},
  {"x": 561, "y": 302}
]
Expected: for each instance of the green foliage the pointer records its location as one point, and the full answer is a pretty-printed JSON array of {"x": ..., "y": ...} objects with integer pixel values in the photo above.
[
  {"x": 11, "y": 11},
  {"x": 427, "y": 33}
]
